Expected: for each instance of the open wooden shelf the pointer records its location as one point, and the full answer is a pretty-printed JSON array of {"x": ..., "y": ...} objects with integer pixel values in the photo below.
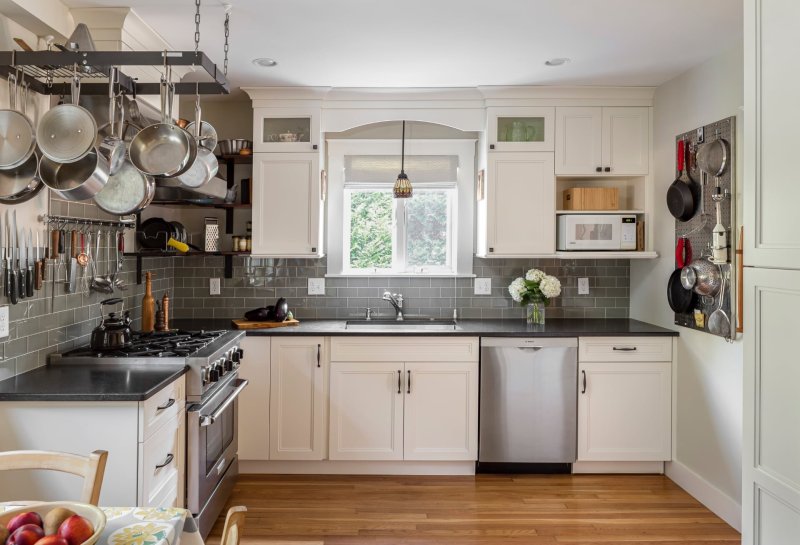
[
  {"x": 575, "y": 212},
  {"x": 227, "y": 255},
  {"x": 236, "y": 159},
  {"x": 220, "y": 205}
]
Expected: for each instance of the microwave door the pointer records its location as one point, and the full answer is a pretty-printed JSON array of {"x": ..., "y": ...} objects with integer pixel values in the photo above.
[{"x": 593, "y": 233}]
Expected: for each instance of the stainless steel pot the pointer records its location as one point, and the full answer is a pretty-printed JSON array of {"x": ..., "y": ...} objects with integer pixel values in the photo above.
[
  {"x": 21, "y": 183},
  {"x": 705, "y": 274},
  {"x": 114, "y": 332},
  {"x": 205, "y": 165},
  {"x": 76, "y": 181},
  {"x": 67, "y": 132},
  {"x": 17, "y": 137},
  {"x": 112, "y": 146}
]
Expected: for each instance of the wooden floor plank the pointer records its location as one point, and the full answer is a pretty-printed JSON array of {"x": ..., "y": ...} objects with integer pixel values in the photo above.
[{"x": 480, "y": 510}]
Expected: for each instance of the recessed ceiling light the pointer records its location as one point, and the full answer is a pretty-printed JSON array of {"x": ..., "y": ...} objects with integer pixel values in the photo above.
[
  {"x": 265, "y": 62},
  {"x": 558, "y": 61}
]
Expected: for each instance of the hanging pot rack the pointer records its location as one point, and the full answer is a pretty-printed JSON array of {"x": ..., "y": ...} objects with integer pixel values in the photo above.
[{"x": 42, "y": 69}]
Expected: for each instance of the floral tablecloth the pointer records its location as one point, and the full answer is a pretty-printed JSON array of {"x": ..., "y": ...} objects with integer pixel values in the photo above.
[{"x": 143, "y": 526}]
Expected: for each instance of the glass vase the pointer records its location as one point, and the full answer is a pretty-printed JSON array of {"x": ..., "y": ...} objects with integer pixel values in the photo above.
[{"x": 534, "y": 313}]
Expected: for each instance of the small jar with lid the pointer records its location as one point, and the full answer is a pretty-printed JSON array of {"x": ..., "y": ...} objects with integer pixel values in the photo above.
[
  {"x": 235, "y": 245},
  {"x": 249, "y": 243},
  {"x": 242, "y": 244}
]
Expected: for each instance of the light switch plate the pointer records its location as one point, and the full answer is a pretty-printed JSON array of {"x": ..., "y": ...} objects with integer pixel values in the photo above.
[
  {"x": 316, "y": 286},
  {"x": 4, "y": 321},
  {"x": 214, "y": 286},
  {"x": 483, "y": 286},
  {"x": 583, "y": 286}
]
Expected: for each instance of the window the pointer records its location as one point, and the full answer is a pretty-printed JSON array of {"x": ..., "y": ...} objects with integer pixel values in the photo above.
[{"x": 371, "y": 233}]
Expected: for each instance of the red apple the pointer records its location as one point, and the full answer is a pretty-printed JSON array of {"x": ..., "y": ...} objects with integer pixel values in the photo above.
[
  {"x": 52, "y": 540},
  {"x": 26, "y": 535},
  {"x": 75, "y": 530},
  {"x": 22, "y": 519}
]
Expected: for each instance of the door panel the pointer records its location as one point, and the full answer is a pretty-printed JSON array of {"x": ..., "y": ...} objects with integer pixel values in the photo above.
[
  {"x": 579, "y": 138},
  {"x": 254, "y": 400},
  {"x": 626, "y": 140}
]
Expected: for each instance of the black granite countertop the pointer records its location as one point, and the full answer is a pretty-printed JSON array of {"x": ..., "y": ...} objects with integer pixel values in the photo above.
[
  {"x": 100, "y": 382},
  {"x": 594, "y": 327}
]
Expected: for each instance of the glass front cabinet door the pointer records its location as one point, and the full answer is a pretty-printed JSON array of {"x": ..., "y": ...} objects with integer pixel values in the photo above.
[
  {"x": 521, "y": 129},
  {"x": 285, "y": 130}
]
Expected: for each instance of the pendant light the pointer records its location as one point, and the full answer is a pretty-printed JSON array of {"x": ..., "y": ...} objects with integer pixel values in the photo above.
[{"x": 402, "y": 187}]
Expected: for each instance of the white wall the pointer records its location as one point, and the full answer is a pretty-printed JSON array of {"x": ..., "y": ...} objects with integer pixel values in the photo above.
[{"x": 708, "y": 436}]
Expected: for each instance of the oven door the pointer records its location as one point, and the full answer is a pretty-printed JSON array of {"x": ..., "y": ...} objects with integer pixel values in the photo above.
[
  {"x": 589, "y": 232},
  {"x": 212, "y": 442}
]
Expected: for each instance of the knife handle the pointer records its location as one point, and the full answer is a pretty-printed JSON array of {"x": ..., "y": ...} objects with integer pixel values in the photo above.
[
  {"x": 62, "y": 235},
  {"x": 73, "y": 244},
  {"x": 6, "y": 282},
  {"x": 29, "y": 281},
  {"x": 55, "y": 237},
  {"x": 12, "y": 286},
  {"x": 21, "y": 283},
  {"x": 38, "y": 276}
]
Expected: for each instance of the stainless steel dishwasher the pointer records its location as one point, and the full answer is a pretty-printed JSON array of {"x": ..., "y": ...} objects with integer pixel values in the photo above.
[{"x": 528, "y": 405}]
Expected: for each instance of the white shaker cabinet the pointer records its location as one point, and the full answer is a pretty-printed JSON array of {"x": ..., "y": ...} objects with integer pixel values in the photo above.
[
  {"x": 624, "y": 402},
  {"x": 517, "y": 216},
  {"x": 607, "y": 141},
  {"x": 254, "y": 400},
  {"x": 287, "y": 205},
  {"x": 298, "y": 395}
]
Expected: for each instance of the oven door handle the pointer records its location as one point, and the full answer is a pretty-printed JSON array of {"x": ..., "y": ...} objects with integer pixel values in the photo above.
[{"x": 207, "y": 420}]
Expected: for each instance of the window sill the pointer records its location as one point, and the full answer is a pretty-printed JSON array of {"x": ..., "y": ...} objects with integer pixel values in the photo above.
[{"x": 400, "y": 275}]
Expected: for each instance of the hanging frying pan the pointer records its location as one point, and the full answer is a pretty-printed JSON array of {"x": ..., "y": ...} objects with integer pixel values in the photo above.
[
  {"x": 681, "y": 199},
  {"x": 680, "y": 299},
  {"x": 17, "y": 136}
]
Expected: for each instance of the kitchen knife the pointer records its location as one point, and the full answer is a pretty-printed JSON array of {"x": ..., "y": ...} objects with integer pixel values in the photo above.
[
  {"x": 29, "y": 266},
  {"x": 73, "y": 261},
  {"x": 55, "y": 242},
  {"x": 38, "y": 273},
  {"x": 45, "y": 252},
  {"x": 5, "y": 236},
  {"x": 12, "y": 275},
  {"x": 21, "y": 258}
]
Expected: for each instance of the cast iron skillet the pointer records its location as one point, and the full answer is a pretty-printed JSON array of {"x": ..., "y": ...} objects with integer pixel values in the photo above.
[
  {"x": 680, "y": 299},
  {"x": 682, "y": 197}
]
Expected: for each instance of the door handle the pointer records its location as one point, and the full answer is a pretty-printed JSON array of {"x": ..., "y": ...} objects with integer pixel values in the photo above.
[
  {"x": 166, "y": 405},
  {"x": 624, "y": 348},
  {"x": 409, "y": 382},
  {"x": 584, "y": 382},
  {"x": 319, "y": 348},
  {"x": 166, "y": 462},
  {"x": 399, "y": 384}
]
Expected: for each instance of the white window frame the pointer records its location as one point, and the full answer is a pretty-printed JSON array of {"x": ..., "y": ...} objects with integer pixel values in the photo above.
[{"x": 462, "y": 213}]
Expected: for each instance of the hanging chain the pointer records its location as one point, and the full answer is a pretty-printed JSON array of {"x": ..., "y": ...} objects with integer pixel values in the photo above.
[
  {"x": 227, "y": 34},
  {"x": 196, "y": 25}
]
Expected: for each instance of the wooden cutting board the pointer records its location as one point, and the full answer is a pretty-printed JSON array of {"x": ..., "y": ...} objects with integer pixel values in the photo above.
[{"x": 249, "y": 324}]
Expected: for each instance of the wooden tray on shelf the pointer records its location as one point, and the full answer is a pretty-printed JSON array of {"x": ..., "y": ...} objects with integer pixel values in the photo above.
[{"x": 250, "y": 324}]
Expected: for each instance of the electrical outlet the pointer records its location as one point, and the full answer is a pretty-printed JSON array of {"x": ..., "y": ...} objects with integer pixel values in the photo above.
[
  {"x": 483, "y": 286},
  {"x": 316, "y": 286},
  {"x": 214, "y": 286},
  {"x": 583, "y": 286},
  {"x": 4, "y": 321}
]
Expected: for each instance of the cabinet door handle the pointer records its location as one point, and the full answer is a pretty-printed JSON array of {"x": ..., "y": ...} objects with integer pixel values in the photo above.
[
  {"x": 166, "y": 405},
  {"x": 583, "y": 373},
  {"x": 399, "y": 384},
  {"x": 319, "y": 348},
  {"x": 624, "y": 348},
  {"x": 599, "y": 169},
  {"x": 167, "y": 462},
  {"x": 607, "y": 169},
  {"x": 409, "y": 382}
]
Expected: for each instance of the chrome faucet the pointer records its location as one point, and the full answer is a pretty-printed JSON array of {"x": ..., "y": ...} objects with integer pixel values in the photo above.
[{"x": 396, "y": 300}]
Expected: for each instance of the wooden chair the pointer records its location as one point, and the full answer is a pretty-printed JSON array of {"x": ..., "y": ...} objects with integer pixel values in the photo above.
[
  {"x": 234, "y": 522},
  {"x": 91, "y": 467}
]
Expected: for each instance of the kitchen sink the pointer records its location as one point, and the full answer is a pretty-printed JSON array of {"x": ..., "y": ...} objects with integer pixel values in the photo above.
[{"x": 409, "y": 324}]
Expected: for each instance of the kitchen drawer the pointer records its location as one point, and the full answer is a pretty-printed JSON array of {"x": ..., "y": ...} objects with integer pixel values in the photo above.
[
  {"x": 162, "y": 407},
  {"x": 164, "y": 448},
  {"x": 404, "y": 349},
  {"x": 625, "y": 349},
  {"x": 166, "y": 496}
]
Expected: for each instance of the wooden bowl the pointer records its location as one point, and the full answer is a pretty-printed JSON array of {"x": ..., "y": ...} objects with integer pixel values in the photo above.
[{"x": 91, "y": 513}]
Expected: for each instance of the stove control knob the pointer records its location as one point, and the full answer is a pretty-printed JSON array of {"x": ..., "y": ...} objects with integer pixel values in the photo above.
[
  {"x": 240, "y": 352},
  {"x": 204, "y": 374},
  {"x": 236, "y": 356},
  {"x": 228, "y": 365},
  {"x": 213, "y": 375}
]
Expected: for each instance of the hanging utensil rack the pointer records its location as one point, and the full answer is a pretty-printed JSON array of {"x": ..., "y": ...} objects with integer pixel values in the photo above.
[
  {"x": 68, "y": 220},
  {"x": 43, "y": 69}
]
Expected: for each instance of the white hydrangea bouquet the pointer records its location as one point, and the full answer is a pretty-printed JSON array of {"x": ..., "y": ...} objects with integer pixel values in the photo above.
[{"x": 535, "y": 292}]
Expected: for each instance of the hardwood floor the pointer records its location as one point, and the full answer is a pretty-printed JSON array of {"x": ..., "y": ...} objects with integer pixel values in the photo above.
[{"x": 486, "y": 509}]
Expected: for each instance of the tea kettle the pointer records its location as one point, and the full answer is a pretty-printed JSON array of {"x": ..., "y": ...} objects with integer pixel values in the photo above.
[{"x": 114, "y": 331}]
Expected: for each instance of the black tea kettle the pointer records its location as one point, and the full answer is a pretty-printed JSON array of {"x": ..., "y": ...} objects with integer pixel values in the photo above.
[{"x": 114, "y": 332}]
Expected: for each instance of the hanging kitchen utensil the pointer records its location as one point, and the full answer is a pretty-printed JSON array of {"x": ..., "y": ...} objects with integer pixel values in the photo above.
[
  {"x": 719, "y": 323},
  {"x": 21, "y": 183},
  {"x": 683, "y": 252},
  {"x": 681, "y": 195},
  {"x": 67, "y": 132},
  {"x": 111, "y": 147},
  {"x": 713, "y": 157},
  {"x": 719, "y": 244},
  {"x": 680, "y": 300},
  {"x": 707, "y": 276},
  {"x": 78, "y": 180},
  {"x": 205, "y": 164},
  {"x": 163, "y": 149},
  {"x": 128, "y": 191},
  {"x": 17, "y": 136}
]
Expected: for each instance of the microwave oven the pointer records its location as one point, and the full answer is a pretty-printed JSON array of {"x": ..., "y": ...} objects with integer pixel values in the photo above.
[{"x": 592, "y": 232}]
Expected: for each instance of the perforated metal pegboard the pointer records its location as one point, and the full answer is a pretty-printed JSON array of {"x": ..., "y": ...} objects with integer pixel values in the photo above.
[{"x": 698, "y": 230}]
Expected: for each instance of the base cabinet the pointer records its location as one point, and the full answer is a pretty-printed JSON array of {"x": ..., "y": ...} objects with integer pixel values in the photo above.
[
  {"x": 298, "y": 395},
  {"x": 254, "y": 400}
]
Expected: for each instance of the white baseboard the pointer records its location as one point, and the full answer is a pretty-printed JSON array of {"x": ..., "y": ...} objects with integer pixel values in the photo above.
[
  {"x": 618, "y": 467},
  {"x": 337, "y": 467},
  {"x": 722, "y": 505}
]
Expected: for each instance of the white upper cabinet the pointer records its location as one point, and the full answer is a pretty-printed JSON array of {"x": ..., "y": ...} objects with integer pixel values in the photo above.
[
  {"x": 287, "y": 205},
  {"x": 517, "y": 218},
  {"x": 607, "y": 141},
  {"x": 285, "y": 129},
  {"x": 520, "y": 129}
]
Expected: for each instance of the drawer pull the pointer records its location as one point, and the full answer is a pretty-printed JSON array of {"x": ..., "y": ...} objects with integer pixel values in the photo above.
[
  {"x": 166, "y": 405},
  {"x": 409, "y": 382},
  {"x": 319, "y": 348},
  {"x": 167, "y": 462},
  {"x": 624, "y": 348}
]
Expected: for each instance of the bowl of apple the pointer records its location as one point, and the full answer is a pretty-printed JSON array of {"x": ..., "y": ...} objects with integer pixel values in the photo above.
[{"x": 52, "y": 523}]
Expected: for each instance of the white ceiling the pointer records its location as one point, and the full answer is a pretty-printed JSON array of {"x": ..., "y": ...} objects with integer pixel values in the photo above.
[{"x": 452, "y": 43}]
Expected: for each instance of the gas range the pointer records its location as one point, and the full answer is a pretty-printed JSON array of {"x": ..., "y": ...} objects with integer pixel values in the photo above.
[{"x": 212, "y": 356}]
